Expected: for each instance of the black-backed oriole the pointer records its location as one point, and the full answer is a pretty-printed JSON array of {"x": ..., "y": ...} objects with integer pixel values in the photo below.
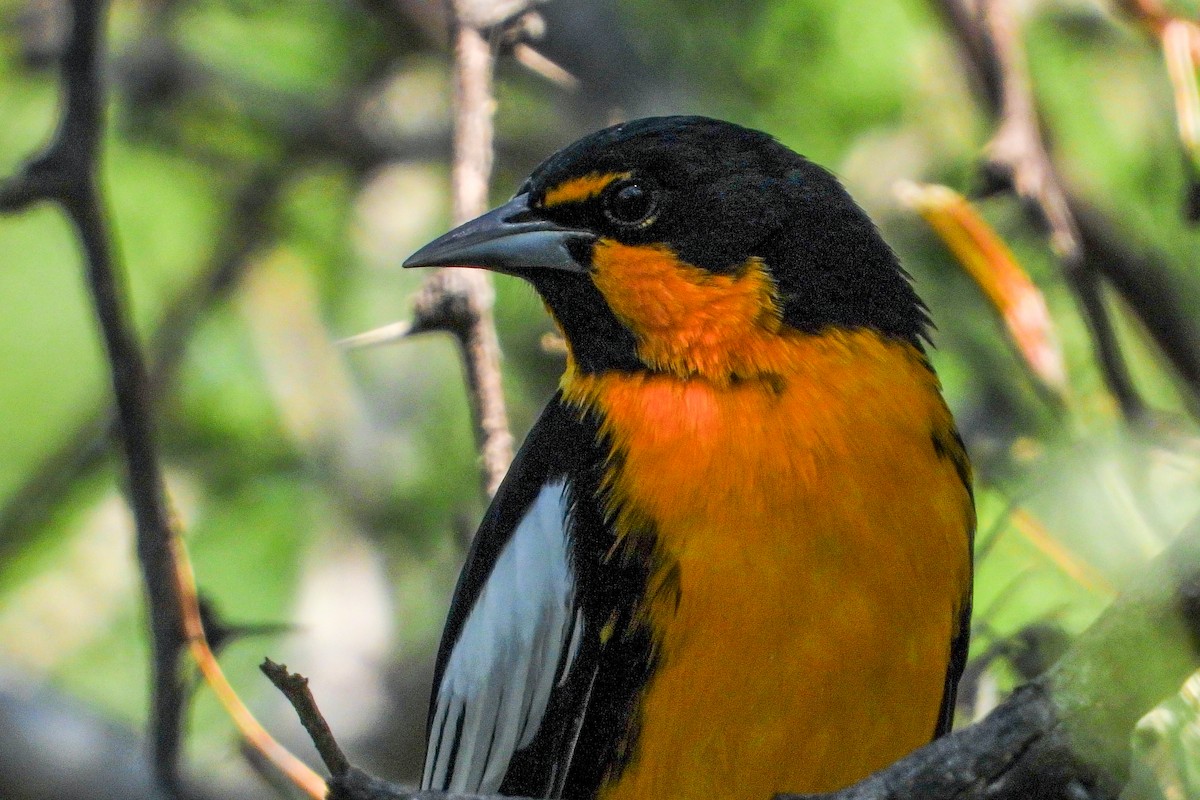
[{"x": 733, "y": 556}]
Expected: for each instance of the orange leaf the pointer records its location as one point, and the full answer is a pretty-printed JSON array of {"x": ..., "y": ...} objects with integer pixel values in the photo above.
[
  {"x": 1181, "y": 43},
  {"x": 994, "y": 268}
]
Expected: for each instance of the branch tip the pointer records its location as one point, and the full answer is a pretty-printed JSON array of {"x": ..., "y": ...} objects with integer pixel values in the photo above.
[{"x": 294, "y": 687}]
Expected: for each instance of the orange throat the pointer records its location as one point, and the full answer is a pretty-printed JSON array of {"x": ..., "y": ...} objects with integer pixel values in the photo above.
[{"x": 689, "y": 321}]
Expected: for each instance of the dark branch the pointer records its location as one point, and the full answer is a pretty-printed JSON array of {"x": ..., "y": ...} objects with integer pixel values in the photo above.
[
  {"x": 295, "y": 688},
  {"x": 1140, "y": 275},
  {"x": 1143, "y": 279},
  {"x": 1019, "y": 160},
  {"x": 1086, "y": 285},
  {"x": 65, "y": 173}
]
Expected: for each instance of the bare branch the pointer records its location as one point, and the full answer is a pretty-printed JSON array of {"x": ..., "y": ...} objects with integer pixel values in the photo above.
[
  {"x": 1016, "y": 152},
  {"x": 65, "y": 173},
  {"x": 1143, "y": 279},
  {"x": 253, "y": 733},
  {"x": 458, "y": 300},
  {"x": 295, "y": 688},
  {"x": 1017, "y": 158},
  {"x": 1141, "y": 275}
]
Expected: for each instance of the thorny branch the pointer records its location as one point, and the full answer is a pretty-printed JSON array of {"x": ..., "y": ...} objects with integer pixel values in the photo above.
[
  {"x": 54, "y": 175},
  {"x": 166, "y": 568},
  {"x": 459, "y": 300},
  {"x": 65, "y": 173},
  {"x": 309, "y": 133}
]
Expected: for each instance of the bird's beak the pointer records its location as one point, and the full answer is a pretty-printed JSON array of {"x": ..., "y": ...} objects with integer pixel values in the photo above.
[{"x": 506, "y": 239}]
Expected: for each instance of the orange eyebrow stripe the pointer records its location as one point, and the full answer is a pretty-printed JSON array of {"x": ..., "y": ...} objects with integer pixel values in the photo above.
[{"x": 582, "y": 188}]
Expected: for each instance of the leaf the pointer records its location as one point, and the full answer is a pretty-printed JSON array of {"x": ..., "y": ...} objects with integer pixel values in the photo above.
[
  {"x": 991, "y": 264},
  {"x": 1181, "y": 41}
]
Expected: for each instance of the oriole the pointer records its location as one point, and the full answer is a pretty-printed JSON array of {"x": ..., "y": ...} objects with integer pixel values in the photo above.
[{"x": 733, "y": 556}]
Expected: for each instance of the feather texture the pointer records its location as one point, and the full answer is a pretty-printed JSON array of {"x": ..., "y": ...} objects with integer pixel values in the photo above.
[{"x": 516, "y": 645}]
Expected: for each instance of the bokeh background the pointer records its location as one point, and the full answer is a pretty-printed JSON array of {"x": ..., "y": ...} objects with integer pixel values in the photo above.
[{"x": 268, "y": 166}]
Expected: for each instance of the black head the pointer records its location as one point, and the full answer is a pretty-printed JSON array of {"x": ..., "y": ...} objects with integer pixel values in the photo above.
[{"x": 717, "y": 197}]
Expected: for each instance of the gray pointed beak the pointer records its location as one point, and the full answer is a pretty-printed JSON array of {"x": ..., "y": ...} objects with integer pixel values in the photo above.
[{"x": 505, "y": 239}]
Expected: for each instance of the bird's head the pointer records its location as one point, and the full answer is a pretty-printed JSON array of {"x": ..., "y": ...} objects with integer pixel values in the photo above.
[{"x": 686, "y": 245}]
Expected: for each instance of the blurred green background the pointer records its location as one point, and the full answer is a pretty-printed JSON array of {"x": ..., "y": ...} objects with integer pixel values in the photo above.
[{"x": 270, "y": 163}]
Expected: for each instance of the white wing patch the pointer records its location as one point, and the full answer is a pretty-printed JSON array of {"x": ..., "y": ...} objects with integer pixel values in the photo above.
[{"x": 498, "y": 680}]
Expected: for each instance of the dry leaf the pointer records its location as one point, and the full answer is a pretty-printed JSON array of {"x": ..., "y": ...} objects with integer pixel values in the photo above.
[{"x": 994, "y": 268}]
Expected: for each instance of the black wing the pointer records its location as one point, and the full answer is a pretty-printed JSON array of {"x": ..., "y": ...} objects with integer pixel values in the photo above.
[
  {"x": 956, "y": 450},
  {"x": 958, "y": 661},
  {"x": 513, "y": 674}
]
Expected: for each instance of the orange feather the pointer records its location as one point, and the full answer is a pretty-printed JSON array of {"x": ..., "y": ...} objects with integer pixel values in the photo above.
[{"x": 821, "y": 541}]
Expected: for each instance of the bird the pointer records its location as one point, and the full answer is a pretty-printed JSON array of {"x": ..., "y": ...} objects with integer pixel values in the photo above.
[{"x": 733, "y": 555}]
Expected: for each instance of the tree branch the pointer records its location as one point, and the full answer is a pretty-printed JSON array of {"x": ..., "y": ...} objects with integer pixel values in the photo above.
[
  {"x": 295, "y": 688},
  {"x": 460, "y": 300},
  {"x": 1018, "y": 159},
  {"x": 1144, "y": 281},
  {"x": 1141, "y": 275},
  {"x": 65, "y": 173},
  {"x": 1017, "y": 153}
]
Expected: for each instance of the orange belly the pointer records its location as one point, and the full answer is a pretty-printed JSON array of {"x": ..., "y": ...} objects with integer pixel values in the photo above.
[{"x": 822, "y": 553}]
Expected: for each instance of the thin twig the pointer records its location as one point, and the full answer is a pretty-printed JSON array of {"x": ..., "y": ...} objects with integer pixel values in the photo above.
[
  {"x": 384, "y": 334},
  {"x": 1088, "y": 291},
  {"x": 459, "y": 300},
  {"x": 1145, "y": 282},
  {"x": 295, "y": 688},
  {"x": 533, "y": 60},
  {"x": 1017, "y": 158},
  {"x": 65, "y": 173},
  {"x": 254, "y": 734},
  {"x": 1016, "y": 151},
  {"x": 1143, "y": 275}
]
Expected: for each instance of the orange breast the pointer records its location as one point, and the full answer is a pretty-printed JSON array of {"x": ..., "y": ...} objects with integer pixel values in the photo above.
[{"x": 822, "y": 547}]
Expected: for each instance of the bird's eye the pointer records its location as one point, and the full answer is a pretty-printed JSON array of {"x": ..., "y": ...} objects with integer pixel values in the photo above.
[{"x": 630, "y": 203}]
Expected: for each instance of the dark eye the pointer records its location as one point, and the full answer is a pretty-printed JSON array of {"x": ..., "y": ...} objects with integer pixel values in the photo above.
[{"x": 630, "y": 203}]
